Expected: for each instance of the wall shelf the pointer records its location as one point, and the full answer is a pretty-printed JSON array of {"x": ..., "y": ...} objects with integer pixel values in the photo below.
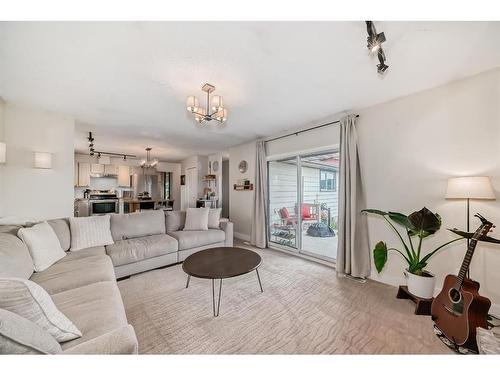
[{"x": 243, "y": 187}]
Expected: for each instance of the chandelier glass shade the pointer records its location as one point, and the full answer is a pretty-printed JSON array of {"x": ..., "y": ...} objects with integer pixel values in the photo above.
[
  {"x": 148, "y": 162},
  {"x": 213, "y": 110}
]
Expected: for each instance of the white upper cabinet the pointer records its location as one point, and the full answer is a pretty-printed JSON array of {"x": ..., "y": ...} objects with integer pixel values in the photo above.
[
  {"x": 83, "y": 174},
  {"x": 97, "y": 169},
  {"x": 110, "y": 169},
  {"x": 123, "y": 176}
]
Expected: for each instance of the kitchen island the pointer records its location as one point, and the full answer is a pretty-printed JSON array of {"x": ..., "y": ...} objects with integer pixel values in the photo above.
[{"x": 128, "y": 205}]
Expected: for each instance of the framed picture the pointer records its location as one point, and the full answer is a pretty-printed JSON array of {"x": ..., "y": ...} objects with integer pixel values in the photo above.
[{"x": 183, "y": 179}]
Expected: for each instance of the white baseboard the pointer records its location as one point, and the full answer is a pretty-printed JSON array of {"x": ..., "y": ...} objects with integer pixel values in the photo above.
[{"x": 242, "y": 236}]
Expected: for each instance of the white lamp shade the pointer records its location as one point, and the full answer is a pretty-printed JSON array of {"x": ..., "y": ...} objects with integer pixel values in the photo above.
[
  {"x": 192, "y": 103},
  {"x": 217, "y": 103},
  {"x": 3, "y": 151},
  {"x": 43, "y": 160},
  {"x": 470, "y": 187}
]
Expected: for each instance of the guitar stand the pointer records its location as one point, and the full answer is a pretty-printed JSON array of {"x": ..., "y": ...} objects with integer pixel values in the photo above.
[{"x": 452, "y": 345}]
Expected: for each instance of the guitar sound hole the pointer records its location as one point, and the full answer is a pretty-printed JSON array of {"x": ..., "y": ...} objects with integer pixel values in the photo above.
[{"x": 455, "y": 295}]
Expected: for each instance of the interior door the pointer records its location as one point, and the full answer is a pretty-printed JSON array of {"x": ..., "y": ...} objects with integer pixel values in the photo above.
[{"x": 192, "y": 186}]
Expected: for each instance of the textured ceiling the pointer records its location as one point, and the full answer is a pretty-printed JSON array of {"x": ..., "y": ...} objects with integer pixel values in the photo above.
[{"x": 127, "y": 81}]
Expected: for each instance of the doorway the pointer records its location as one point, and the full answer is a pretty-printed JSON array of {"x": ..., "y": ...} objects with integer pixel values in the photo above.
[{"x": 303, "y": 204}]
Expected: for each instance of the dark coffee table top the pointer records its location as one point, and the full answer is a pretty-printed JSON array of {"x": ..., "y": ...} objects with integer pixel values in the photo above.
[{"x": 221, "y": 262}]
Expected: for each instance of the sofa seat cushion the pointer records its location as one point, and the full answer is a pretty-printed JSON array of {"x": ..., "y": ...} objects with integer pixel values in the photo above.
[
  {"x": 95, "y": 309},
  {"x": 196, "y": 238},
  {"x": 85, "y": 253},
  {"x": 75, "y": 273},
  {"x": 137, "y": 249}
]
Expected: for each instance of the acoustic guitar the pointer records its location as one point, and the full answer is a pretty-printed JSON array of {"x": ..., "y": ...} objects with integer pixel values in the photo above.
[{"x": 459, "y": 309}]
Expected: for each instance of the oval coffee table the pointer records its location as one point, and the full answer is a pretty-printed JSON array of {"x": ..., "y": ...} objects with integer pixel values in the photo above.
[{"x": 221, "y": 263}]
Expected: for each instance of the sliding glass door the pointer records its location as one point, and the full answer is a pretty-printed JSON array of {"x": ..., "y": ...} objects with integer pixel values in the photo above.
[
  {"x": 303, "y": 204},
  {"x": 283, "y": 196}
]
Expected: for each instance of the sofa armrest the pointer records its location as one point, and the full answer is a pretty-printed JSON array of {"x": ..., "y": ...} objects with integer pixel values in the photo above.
[
  {"x": 227, "y": 227},
  {"x": 119, "y": 341}
]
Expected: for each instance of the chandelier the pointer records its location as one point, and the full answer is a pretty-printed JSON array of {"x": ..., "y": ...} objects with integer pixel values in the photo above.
[
  {"x": 148, "y": 162},
  {"x": 214, "y": 109}
]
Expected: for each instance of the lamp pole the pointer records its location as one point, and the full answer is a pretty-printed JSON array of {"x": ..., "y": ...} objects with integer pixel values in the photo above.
[{"x": 468, "y": 230}]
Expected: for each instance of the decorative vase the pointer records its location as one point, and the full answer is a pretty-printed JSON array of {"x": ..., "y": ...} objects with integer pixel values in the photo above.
[{"x": 420, "y": 286}]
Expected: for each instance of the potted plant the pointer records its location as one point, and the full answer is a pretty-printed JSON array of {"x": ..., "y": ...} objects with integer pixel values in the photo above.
[{"x": 418, "y": 225}]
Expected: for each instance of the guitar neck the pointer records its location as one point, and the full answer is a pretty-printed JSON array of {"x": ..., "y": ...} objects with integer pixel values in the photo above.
[{"x": 466, "y": 263}]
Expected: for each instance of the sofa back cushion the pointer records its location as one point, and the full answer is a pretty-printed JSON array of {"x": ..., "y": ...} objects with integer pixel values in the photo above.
[
  {"x": 175, "y": 220},
  {"x": 63, "y": 233},
  {"x": 11, "y": 229},
  {"x": 19, "y": 335},
  {"x": 137, "y": 224},
  {"x": 15, "y": 259}
]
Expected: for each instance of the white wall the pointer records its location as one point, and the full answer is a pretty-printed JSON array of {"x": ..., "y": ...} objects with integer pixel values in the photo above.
[
  {"x": 241, "y": 202},
  {"x": 408, "y": 149},
  {"x": 37, "y": 193},
  {"x": 2, "y": 105}
]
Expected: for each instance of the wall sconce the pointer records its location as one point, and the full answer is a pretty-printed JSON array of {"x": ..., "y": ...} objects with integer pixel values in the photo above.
[
  {"x": 3, "y": 152},
  {"x": 43, "y": 160}
]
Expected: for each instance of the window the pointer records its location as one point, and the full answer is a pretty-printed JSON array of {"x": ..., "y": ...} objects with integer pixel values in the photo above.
[
  {"x": 327, "y": 180},
  {"x": 167, "y": 185}
]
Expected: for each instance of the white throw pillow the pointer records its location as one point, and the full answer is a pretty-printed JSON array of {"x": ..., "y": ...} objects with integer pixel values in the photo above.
[
  {"x": 90, "y": 231},
  {"x": 43, "y": 245},
  {"x": 214, "y": 218},
  {"x": 31, "y": 301},
  {"x": 196, "y": 219}
]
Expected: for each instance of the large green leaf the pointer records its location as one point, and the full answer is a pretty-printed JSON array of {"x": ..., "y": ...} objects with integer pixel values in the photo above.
[
  {"x": 424, "y": 222},
  {"x": 373, "y": 211},
  {"x": 400, "y": 219},
  {"x": 380, "y": 255}
]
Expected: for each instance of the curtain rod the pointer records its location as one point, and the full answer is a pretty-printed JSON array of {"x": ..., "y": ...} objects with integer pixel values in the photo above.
[{"x": 305, "y": 130}]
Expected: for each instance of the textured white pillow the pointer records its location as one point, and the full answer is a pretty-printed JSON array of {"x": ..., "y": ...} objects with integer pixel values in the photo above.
[
  {"x": 31, "y": 301},
  {"x": 196, "y": 219},
  {"x": 214, "y": 218},
  {"x": 43, "y": 245},
  {"x": 90, "y": 231}
]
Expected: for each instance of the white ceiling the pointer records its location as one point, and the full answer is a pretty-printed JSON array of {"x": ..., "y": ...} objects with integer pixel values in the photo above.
[{"x": 127, "y": 81}]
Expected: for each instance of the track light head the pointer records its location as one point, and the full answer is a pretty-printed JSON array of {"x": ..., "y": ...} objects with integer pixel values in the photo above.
[{"x": 381, "y": 68}]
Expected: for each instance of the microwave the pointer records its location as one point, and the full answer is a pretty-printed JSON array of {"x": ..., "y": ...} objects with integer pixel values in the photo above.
[{"x": 103, "y": 207}]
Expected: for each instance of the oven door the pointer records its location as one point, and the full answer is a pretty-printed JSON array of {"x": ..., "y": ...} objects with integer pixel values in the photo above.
[{"x": 103, "y": 207}]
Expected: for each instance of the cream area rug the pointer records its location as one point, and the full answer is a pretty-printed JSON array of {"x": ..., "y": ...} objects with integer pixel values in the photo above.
[{"x": 305, "y": 309}]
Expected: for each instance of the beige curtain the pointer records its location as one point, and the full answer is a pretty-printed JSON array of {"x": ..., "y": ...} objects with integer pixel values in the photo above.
[
  {"x": 259, "y": 218},
  {"x": 353, "y": 254}
]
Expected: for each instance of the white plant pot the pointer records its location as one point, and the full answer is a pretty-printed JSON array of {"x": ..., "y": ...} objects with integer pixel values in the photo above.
[{"x": 420, "y": 286}]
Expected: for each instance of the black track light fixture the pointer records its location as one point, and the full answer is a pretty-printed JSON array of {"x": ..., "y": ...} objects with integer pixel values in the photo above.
[
  {"x": 374, "y": 44},
  {"x": 93, "y": 151}
]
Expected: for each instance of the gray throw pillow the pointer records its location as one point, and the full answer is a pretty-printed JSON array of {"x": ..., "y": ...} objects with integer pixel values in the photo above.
[
  {"x": 43, "y": 245},
  {"x": 19, "y": 335},
  {"x": 214, "y": 218},
  {"x": 175, "y": 220},
  {"x": 196, "y": 219},
  {"x": 31, "y": 301}
]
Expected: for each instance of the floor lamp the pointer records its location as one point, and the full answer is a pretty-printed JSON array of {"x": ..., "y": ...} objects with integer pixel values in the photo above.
[{"x": 469, "y": 188}]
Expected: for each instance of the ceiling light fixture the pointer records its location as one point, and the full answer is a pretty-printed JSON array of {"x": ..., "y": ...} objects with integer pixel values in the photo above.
[
  {"x": 213, "y": 110},
  {"x": 148, "y": 162},
  {"x": 93, "y": 151},
  {"x": 375, "y": 45}
]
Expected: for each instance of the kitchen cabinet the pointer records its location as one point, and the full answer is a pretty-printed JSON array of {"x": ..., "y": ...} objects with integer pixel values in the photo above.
[
  {"x": 110, "y": 170},
  {"x": 123, "y": 176},
  {"x": 83, "y": 174},
  {"x": 97, "y": 169}
]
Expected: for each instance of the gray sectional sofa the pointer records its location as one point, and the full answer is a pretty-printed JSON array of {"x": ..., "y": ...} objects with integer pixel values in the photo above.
[{"x": 83, "y": 284}]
